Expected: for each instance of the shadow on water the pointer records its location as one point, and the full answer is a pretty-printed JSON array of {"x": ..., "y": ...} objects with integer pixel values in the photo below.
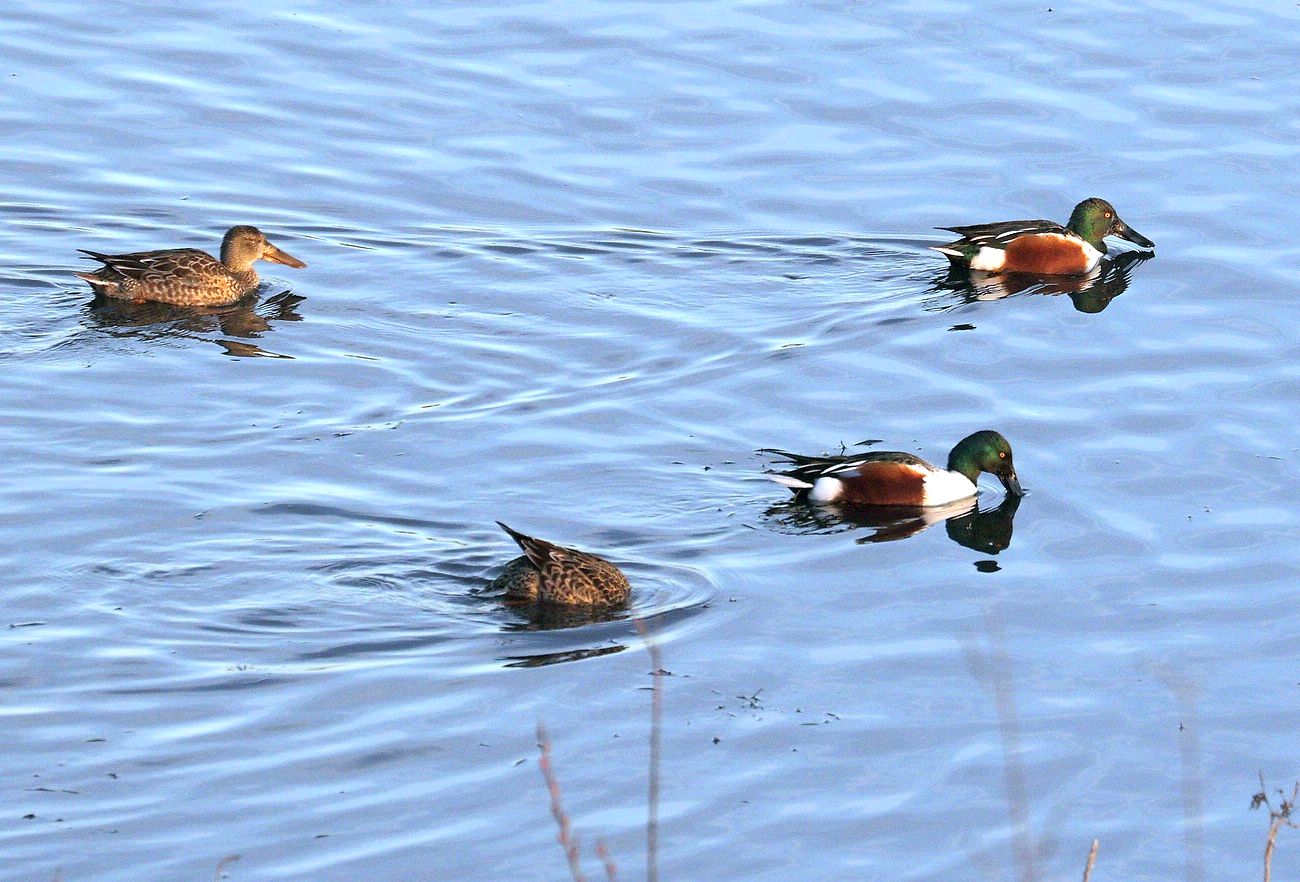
[
  {"x": 987, "y": 531},
  {"x": 1090, "y": 293},
  {"x": 247, "y": 319}
]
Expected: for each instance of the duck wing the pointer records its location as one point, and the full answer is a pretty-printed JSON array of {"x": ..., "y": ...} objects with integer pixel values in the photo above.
[
  {"x": 572, "y": 575},
  {"x": 999, "y": 234},
  {"x": 810, "y": 468},
  {"x": 174, "y": 263}
]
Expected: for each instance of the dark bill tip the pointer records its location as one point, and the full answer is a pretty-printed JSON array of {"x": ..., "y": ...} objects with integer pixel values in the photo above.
[
  {"x": 1124, "y": 231},
  {"x": 1012, "y": 483}
]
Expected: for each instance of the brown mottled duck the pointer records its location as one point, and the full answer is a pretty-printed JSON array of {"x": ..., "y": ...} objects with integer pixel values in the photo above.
[
  {"x": 187, "y": 276},
  {"x": 548, "y": 573}
]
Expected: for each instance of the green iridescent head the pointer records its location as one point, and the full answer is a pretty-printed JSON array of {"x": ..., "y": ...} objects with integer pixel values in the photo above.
[
  {"x": 985, "y": 451},
  {"x": 1094, "y": 219}
]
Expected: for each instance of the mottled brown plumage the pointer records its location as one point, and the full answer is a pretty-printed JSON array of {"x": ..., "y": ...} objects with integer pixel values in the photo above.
[
  {"x": 187, "y": 276},
  {"x": 548, "y": 573}
]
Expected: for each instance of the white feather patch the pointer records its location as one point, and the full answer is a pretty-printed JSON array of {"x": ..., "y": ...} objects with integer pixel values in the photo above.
[
  {"x": 989, "y": 259},
  {"x": 827, "y": 489},
  {"x": 942, "y": 486}
]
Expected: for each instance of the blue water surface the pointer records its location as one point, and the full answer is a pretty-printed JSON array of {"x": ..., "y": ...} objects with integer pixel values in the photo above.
[{"x": 570, "y": 265}]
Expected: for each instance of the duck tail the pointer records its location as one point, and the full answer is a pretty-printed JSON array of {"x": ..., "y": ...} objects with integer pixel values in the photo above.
[
  {"x": 514, "y": 534},
  {"x": 957, "y": 255},
  {"x": 99, "y": 283},
  {"x": 536, "y": 550},
  {"x": 790, "y": 481},
  {"x": 799, "y": 460}
]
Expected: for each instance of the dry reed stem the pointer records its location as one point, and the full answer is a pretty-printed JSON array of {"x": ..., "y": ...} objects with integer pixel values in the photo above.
[
  {"x": 1276, "y": 816},
  {"x": 993, "y": 667},
  {"x": 1092, "y": 860},
  {"x": 222, "y": 864},
  {"x": 566, "y": 838},
  {"x": 1186, "y": 691},
  {"x": 611, "y": 868},
  {"x": 656, "y": 726}
]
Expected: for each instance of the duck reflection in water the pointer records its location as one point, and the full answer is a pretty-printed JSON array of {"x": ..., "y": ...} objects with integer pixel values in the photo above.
[
  {"x": 987, "y": 531},
  {"x": 248, "y": 319},
  {"x": 1091, "y": 292},
  {"x": 551, "y": 617},
  {"x": 531, "y": 616},
  {"x": 542, "y": 659}
]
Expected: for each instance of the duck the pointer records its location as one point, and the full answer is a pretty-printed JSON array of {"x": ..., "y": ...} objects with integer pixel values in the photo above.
[
  {"x": 187, "y": 276},
  {"x": 1090, "y": 292},
  {"x": 1041, "y": 247},
  {"x": 895, "y": 478},
  {"x": 547, "y": 573}
]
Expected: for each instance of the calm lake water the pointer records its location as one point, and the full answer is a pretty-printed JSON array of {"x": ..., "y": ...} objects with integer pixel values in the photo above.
[{"x": 570, "y": 265}]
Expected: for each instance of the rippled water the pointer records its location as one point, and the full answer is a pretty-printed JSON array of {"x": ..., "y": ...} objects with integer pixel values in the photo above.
[{"x": 570, "y": 265}]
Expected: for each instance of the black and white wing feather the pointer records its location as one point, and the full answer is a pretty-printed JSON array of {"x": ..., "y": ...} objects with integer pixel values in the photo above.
[
  {"x": 807, "y": 469},
  {"x": 999, "y": 234}
]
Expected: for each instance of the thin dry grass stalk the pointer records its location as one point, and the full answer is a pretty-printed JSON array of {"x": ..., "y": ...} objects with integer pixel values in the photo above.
[
  {"x": 1092, "y": 860},
  {"x": 1277, "y": 817},
  {"x": 656, "y": 727},
  {"x": 566, "y": 838}
]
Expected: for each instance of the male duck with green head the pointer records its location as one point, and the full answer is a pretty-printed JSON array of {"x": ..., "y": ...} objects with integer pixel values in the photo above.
[
  {"x": 889, "y": 477},
  {"x": 1042, "y": 247}
]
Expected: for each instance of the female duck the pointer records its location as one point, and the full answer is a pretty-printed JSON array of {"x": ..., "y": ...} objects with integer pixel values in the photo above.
[
  {"x": 549, "y": 574},
  {"x": 187, "y": 276},
  {"x": 1041, "y": 247},
  {"x": 901, "y": 479}
]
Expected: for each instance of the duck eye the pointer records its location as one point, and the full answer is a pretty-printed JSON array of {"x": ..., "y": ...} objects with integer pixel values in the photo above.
[
  {"x": 1108, "y": 214},
  {"x": 1002, "y": 454}
]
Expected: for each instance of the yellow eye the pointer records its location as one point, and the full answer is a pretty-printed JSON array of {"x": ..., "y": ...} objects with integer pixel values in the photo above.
[
  {"x": 1108, "y": 214},
  {"x": 1002, "y": 454}
]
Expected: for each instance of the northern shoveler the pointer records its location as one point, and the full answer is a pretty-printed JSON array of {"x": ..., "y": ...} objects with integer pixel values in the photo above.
[
  {"x": 1090, "y": 292},
  {"x": 547, "y": 573},
  {"x": 1041, "y": 247},
  {"x": 187, "y": 276},
  {"x": 901, "y": 479}
]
